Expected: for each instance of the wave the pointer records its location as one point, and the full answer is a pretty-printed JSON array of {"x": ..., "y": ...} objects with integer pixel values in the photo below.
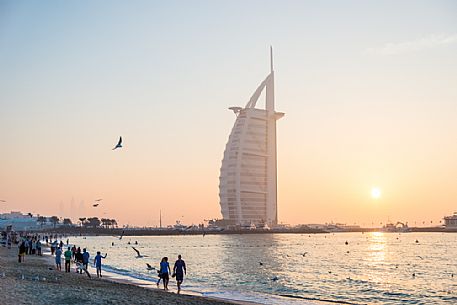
[{"x": 129, "y": 273}]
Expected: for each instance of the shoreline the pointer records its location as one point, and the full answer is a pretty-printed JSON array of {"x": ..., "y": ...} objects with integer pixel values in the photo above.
[
  {"x": 81, "y": 231},
  {"x": 35, "y": 281}
]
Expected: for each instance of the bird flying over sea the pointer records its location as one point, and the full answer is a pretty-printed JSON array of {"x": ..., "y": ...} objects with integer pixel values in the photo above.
[
  {"x": 150, "y": 267},
  {"x": 119, "y": 144},
  {"x": 138, "y": 253}
]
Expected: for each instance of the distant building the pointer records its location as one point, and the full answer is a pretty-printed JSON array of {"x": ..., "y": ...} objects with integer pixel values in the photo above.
[
  {"x": 248, "y": 182},
  {"x": 18, "y": 221},
  {"x": 450, "y": 222}
]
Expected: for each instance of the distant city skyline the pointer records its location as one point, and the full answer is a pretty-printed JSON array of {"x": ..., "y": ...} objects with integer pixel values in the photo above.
[{"x": 368, "y": 88}]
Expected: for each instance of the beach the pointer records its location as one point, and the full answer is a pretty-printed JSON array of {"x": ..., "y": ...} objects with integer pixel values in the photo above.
[{"x": 36, "y": 282}]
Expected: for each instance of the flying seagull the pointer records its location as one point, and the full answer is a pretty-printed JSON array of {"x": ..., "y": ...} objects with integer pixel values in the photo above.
[
  {"x": 95, "y": 205},
  {"x": 150, "y": 267},
  {"x": 138, "y": 253},
  {"x": 119, "y": 144}
]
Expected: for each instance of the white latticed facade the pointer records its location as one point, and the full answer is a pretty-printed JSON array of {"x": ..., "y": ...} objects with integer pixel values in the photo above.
[{"x": 247, "y": 189}]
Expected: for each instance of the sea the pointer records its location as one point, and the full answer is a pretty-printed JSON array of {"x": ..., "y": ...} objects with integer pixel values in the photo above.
[{"x": 342, "y": 268}]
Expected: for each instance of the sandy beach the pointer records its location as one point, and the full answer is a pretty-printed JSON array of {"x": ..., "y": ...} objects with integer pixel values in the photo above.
[{"x": 36, "y": 282}]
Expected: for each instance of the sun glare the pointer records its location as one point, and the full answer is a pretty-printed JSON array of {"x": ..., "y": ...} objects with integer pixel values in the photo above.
[{"x": 375, "y": 192}]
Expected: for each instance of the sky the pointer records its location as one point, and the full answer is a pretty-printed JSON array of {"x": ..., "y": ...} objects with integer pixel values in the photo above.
[{"x": 369, "y": 89}]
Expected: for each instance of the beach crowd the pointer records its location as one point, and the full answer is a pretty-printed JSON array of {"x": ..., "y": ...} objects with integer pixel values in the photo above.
[{"x": 80, "y": 258}]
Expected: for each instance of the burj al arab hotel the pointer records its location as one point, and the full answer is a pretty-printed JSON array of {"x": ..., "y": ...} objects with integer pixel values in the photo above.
[{"x": 248, "y": 179}]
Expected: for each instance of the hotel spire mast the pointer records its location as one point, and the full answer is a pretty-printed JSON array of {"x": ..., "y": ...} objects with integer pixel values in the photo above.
[{"x": 248, "y": 183}]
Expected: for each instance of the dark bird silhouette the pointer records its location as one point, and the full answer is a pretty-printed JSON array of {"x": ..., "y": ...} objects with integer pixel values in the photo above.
[
  {"x": 119, "y": 144},
  {"x": 260, "y": 263},
  {"x": 95, "y": 205},
  {"x": 420, "y": 257},
  {"x": 274, "y": 279},
  {"x": 346, "y": 243},
  {"x": 304, "y": 254},
  {"x": 138, "y": 253},
  {"x": 100, "y": 199},
  {"x": 150, "y": 267},
  {"x": 417, "y": 241}
]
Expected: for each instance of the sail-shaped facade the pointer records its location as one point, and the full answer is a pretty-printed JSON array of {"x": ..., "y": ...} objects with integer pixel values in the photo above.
[{"x": 248, "y": 179}]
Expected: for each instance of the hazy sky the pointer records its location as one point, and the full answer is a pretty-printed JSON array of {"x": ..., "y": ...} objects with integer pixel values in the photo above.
[{"x": 369, "y": 89}]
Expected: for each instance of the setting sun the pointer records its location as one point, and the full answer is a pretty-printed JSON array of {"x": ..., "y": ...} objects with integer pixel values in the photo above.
[{"x": 375, "y": 192}]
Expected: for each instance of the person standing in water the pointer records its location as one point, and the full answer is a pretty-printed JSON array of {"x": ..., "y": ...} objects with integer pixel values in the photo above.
[
  {"x": 98, "y": 263},
  {"x": 179, "y": 270},
  {"x": 164, "y": 272}
]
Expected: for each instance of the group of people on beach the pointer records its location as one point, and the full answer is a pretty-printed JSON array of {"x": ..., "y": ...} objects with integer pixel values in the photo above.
[
  {"x": 80, "y": 258},
  {"x": 29, "y": 245}
]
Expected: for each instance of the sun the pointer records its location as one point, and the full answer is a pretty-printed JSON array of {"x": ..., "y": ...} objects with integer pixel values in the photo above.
[{"x": 375, "y": 192}]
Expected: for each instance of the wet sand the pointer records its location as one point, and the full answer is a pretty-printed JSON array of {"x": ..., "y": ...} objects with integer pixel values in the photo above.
[{"x": 36, "y": 282}]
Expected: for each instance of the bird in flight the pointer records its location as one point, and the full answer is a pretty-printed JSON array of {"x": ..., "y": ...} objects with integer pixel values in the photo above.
[
  {"x": 1, "y": 200},
  {"x": 95, "y": 205},
  {"x": 119, "y": 144},
  {"x": 97, "y": 200},
  {"x": 150, "y": 267},
  {"x": 138, "y": 253}
]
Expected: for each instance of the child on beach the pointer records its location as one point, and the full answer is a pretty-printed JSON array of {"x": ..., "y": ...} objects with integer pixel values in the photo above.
[{"x": 98, "y": 263}]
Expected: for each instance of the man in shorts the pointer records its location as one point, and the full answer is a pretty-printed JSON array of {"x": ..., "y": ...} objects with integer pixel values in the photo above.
[
  {"x": 67, "y": 256},
  {"x": 179, "y": 270}
]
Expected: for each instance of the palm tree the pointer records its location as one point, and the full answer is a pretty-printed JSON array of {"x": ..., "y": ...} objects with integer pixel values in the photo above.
[
  {"x": 82, "y": 220},
  {"x": 93, "y": 222},
  {"x": 41, "y": 220},
  {"x": 67, "y": 222},
  {"x": 113, "y": 223},
  {"x": 54, "y": 220},
  {"x": 105, "y": 222}
]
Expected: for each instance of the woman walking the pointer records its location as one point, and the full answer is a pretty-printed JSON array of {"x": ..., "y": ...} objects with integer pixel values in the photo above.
[{"x": 164, "y": 272}]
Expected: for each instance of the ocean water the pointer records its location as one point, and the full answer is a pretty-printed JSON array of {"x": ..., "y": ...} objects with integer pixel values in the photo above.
[{"x": 372, "y": 268}]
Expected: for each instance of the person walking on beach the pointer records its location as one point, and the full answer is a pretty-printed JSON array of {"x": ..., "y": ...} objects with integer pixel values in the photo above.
[
  {"x": 98, "y": 263},
  {"x": 79, "y": 261},
  {"x": 159, "y": 273},
  {"x": 38, "y": 247},
  {"x": 59, "y": 259},
  {"x": 179, "y": 270},
  {"x": 68, "y": 255},
  {"x": 164, "y": 272},
  {"x": 86, "y": 256},
  {"x": 22, "y": 249}
]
